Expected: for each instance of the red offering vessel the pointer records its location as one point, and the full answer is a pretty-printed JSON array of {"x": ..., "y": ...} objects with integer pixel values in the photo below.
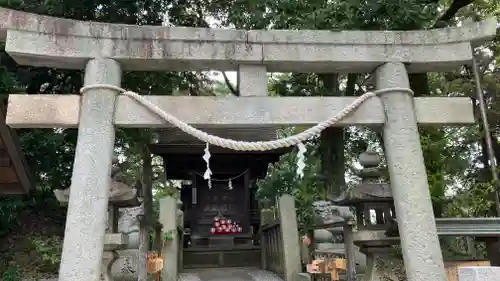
[{"x": 221, "y": 225}]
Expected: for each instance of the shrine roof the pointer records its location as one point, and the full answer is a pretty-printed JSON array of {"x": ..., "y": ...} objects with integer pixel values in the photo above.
[
  {"x": 173, "y": 143},
  {"x": 175, "y": 136},
  {"x": 66, "y": 43},
  {"x": 193, "y": 149},
  {"x": 15, "y": 177},
  {"x": 183, "y": 159}
]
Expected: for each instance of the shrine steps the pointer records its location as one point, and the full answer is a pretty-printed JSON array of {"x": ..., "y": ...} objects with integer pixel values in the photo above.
[
  {"x": 196, "y": 258},
  {"x": 228, "y": 274}
]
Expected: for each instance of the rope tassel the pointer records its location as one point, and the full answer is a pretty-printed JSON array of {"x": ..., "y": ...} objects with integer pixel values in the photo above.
[
  {"x": 301, "y": 163},
  {"x": 208, "y": 173}
]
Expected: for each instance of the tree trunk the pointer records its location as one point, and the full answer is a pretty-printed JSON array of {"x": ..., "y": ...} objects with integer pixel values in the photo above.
[
  {"x": 333, "y": 160},
  {"x": 493, "y": 251},
  {"x": 332, "y": 147}
]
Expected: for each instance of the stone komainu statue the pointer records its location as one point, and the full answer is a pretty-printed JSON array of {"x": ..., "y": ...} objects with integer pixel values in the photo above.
[{"x": 120, "y": 194}]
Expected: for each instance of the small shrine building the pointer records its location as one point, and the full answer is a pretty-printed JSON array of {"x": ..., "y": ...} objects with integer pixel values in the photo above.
[{"x": 221, "y": 217}]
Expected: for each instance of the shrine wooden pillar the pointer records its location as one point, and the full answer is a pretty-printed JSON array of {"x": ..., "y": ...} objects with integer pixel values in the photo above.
[{"x": 246, "y": 190}]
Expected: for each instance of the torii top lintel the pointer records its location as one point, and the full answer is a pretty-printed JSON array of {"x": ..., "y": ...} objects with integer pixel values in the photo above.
[{"x": 66, "y": 43}]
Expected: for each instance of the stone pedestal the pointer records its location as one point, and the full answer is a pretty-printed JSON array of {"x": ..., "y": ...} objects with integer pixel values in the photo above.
[
  {"x": 328, "y": 248},
  {"x": 125, "y": 268},
  {"x": 109, "y": 257},
  {"x": 120, "y": 261},
  {"x": 479, "y": 273},
  {"x": 323, "y": 239},
  {"x": 333, "y": 241},
  {"x": 382, "y": 266}
]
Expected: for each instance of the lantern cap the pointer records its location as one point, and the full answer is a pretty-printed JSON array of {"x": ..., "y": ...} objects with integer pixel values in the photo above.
[{"x": 370, "y": 158}]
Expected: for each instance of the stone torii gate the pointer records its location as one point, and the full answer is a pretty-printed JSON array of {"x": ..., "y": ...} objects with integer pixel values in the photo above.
[{"x": 105, "y": 50}]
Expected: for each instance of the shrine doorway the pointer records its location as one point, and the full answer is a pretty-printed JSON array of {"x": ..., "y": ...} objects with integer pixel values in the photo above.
[{"x": 220, "y": 216}]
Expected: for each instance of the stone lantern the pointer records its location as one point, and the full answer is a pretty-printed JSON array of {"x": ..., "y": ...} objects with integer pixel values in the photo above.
[
  {"x": 376, "y": 223},
  {"x": 372, "y": 198}
]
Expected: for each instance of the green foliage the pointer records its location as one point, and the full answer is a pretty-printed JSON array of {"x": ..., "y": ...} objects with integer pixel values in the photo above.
[
  {"x": 475, "y": 201},
  {"x": 48, "y": 250},
  {"x": 9, "y": 208},
  {"x": 282, "y": 179},
  {"x": 12, "y": 273},
  {"x": 7, "y": 81},
  {"x": 168, "y": 235},
  {"x": 330, "y": 15}
]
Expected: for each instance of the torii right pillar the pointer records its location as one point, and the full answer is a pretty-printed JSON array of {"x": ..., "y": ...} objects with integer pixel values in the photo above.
[{"x": 417, "y": 227}]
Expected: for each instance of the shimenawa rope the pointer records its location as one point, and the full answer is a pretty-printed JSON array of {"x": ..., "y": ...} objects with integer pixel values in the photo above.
[
  {"x": 246, "y": 145},
  {"x": 297, "y": 139}
]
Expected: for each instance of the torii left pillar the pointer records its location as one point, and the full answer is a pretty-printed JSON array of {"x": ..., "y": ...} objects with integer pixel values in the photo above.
[{"x": 87, "y": 211}]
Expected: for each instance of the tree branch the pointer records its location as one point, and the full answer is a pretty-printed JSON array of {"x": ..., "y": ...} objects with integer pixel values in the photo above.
[
  {"x": 419, "y": 82},
  {"x": 229, "y": 85},
  {"x": 351, "y": 84},
  {"x": 455, "y": 6},
  {"x": 201, "y": 22}
]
